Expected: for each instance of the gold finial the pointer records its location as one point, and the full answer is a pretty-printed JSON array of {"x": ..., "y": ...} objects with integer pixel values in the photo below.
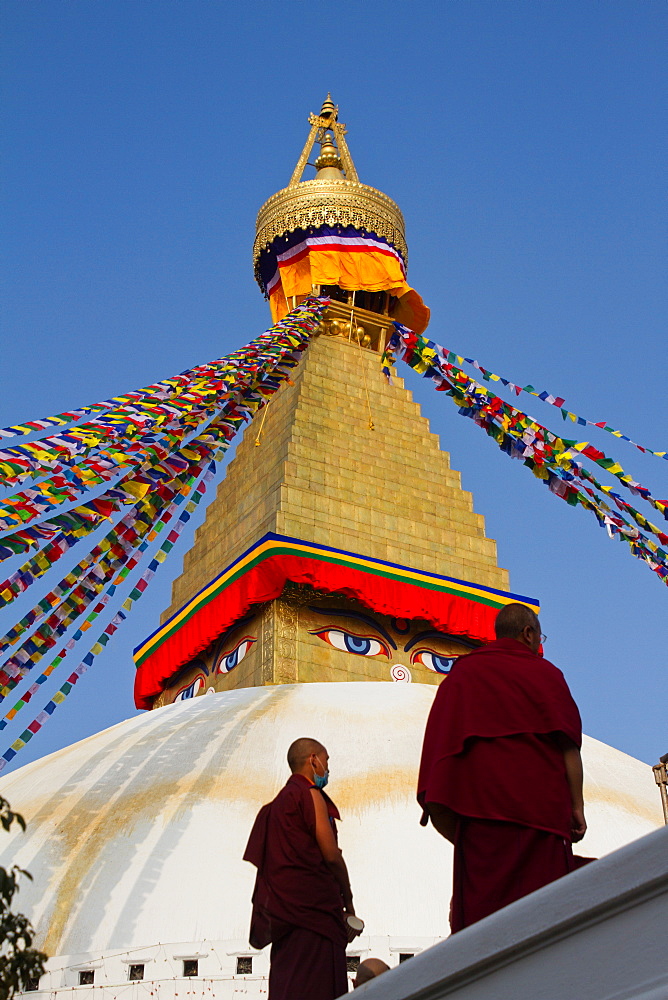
[
  {"x": 334, "y": 197},
  {"x": 329, "y": 109},
  {"x": 328, "y": 164},
  {"x": 321, "y": 126}
]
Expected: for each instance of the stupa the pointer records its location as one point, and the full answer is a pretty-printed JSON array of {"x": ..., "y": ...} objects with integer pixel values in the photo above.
[{"x": 340, "y": 569}]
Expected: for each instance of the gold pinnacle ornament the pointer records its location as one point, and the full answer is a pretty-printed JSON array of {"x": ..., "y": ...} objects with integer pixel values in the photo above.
[{"x": 334, "y": 197}]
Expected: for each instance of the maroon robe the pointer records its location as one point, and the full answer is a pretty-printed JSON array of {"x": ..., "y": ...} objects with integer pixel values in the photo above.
[
  {"x": 297, "y": 904},
  {"x": 491, "y": 755}
]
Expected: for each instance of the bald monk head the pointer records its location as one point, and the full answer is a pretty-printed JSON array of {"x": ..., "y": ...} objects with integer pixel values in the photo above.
[
  {"x": 369, "y": 969},
  {"x": 308, "y": 757},
  {"x": 517, "y": 621}
]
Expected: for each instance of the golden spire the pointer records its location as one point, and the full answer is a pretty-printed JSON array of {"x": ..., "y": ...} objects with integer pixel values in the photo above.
[
  {"x": 329, "y": 108},
  {"x": 334, "y": 197},
  {"x": 326, "y": 122},
  {"x": 328, "y": 164}
]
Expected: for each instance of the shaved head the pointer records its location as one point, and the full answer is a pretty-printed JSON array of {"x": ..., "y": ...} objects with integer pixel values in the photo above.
[
  {"x": 369, "y": 969},
  {"x": 513, "y": 619},
  {"x": 300, "y": 751}
]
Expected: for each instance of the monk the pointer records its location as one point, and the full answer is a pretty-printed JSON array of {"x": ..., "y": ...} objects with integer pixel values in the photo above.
[
  {"x": 501, "y": 773},
  {"x": 368, "y": 970},
  {"x": 302, "y": 893}
]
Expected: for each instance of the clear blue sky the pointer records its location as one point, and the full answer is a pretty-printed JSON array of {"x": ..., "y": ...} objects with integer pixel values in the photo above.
[{"x": 525, "y": 143}]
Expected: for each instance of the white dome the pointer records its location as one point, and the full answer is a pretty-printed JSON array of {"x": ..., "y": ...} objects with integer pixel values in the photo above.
[{"x": 135, "y": 836}]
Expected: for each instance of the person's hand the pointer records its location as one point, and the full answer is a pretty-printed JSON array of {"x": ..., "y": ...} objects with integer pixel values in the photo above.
[
  {"x": 352, "y": 932},
  {"x": 578, "y": 825}
]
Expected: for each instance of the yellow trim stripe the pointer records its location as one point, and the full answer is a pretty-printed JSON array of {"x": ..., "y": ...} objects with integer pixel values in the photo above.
[{"x": 276, "y": 544}]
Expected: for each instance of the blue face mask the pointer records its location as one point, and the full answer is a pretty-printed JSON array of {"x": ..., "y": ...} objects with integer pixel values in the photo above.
[{"x": 320, "y": 780}]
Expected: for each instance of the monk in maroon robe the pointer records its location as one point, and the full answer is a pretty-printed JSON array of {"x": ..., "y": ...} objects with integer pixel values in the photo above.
[
  {"x": 302, "y": 893},
  {"x": 501, "y": 773}
]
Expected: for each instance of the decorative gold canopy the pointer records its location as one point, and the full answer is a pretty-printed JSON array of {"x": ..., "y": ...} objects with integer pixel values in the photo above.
[{"x": 334, "y": 197}]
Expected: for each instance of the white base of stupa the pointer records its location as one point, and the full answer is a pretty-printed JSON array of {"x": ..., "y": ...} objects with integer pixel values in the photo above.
[
  {"x": 162, "y": 970},
  {"x": 135, "y": 836},
  {"x": 597, "y": 935}
]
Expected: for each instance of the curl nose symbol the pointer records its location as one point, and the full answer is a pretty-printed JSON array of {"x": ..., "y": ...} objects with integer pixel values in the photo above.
[{"x": 400, "y": 673}]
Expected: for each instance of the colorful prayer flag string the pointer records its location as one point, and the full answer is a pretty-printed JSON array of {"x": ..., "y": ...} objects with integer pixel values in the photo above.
[
  {"x": 162, "y": 391},
  {"x": 92, "y": 457},
  {"x": 558, "y": 401},
  {"x": 520, "y": 436},
  {"x": 429, "y": 352},
  {"x": 260, "y": 368},
  {"x": 140, "y": 514},
  {"x": 159, "y": 439},
  {"x": 97, "y": 647},
  {"x": 114, "y": 559},
  {"x": 102, "y": 640}
]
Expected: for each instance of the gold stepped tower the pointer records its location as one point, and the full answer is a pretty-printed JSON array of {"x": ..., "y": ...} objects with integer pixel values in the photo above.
[{"x": 311, "y": 467}]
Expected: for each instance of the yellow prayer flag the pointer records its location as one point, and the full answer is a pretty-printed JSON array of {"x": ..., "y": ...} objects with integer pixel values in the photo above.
[{"x": 136, "y": 489}]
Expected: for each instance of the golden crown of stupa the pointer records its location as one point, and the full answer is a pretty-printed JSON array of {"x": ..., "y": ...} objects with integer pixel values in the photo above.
[{"x": 334, "y": 197}]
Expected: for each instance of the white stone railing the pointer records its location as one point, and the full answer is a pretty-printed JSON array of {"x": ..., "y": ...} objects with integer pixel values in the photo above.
[{"x": 598, "y": 934}]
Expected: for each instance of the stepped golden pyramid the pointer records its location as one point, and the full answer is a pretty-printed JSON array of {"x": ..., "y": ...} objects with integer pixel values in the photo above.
[
  {"x": 341, "y": 548},
  {"x": 317, "y": 472}
]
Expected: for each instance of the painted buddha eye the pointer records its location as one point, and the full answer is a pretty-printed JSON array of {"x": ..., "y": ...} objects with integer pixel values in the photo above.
[
  {"x": 191, "y": 690},
  {"x": 232, "y": 659},
  {"x": 433, "y": 661},
  {"x": 349, "y": 642}
]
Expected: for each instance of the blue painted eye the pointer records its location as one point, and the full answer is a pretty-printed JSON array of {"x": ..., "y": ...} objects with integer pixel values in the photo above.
[
  {"x": 232, "y": 659},
  {"x": 349, "y": 642},
  {"x": 357, "y": 644},
  {"x": 433, "y": 661},
  {"x": 192, "y": 689}
]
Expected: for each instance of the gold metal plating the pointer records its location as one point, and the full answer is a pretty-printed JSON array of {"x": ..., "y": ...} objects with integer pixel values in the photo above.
[
  {"x": 328, "y": 202},
  {"x": 359, "y": 326}
]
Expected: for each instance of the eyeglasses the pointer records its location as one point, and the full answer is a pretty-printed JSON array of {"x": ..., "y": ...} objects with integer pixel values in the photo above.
[{"x": 543, "y": 637}]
